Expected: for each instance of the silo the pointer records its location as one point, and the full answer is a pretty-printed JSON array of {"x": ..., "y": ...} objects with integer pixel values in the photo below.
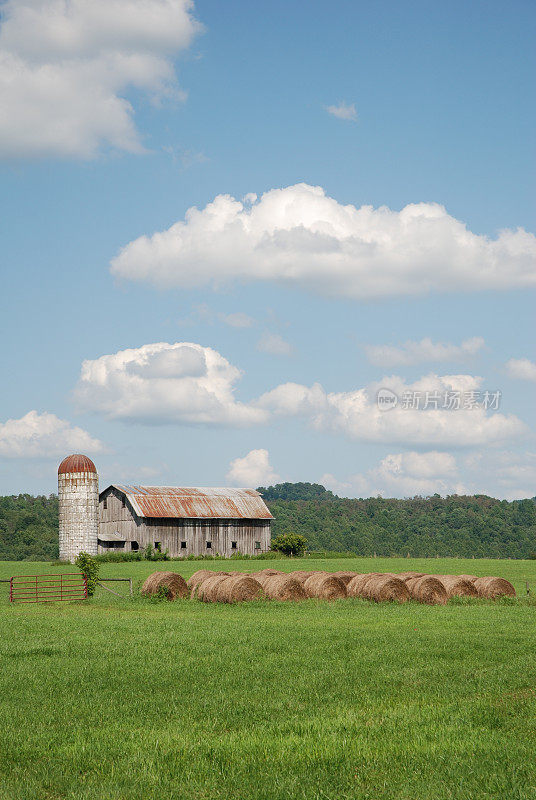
[{"x": 78, "y": 493}]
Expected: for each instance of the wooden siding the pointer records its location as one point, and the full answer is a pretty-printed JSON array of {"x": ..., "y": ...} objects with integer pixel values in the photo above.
[{"x": 116, "y": 518}]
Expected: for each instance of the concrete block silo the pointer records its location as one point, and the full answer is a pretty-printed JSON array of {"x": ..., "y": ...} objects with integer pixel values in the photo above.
[{"x": 78, "y": 494}]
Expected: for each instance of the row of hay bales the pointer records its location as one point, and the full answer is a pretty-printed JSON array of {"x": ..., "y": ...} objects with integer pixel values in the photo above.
[
  {"x": 488, "y": 587},
  {"x": 430, "y": 589},
  {"x": 381, "y": 587},
  {"x": 235, "y": 587}
]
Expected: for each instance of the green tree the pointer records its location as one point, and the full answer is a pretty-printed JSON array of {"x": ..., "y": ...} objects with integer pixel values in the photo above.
[
  {"x": 290, "y": 544},
  {"x": 295, "y": 491}
]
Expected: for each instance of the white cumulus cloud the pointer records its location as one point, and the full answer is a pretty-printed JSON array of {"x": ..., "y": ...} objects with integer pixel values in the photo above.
[
  {"x": 521, "y": 368},
  {"x": 66, "y": 67},
  {"x": 237, "y": 319},
  {"x": 413, "y": 473},
  {"x": 253, "y": 470},
  {"x": 44, "y": 435},
  {"x": 274, "y": 344},
  {"x": 498, "y": 473},
  {"x": 403, "y": 475},
  {"x": 503, "y": 473},
  {"x": 421, "y": 465},
  {"x": 159, "y": 383},
  {"x": 343, "y": 110},
  {"x": 201, "y": 313},
  {"x": 356, "y": 415},
  {"x": 420, "y": 352},
  {"x": 187, "y": 383},
  {"x": 298, "y": 236}
]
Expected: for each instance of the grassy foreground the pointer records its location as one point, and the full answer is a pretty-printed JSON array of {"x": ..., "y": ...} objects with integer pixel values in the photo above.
[{"x": 116, "y": 699}]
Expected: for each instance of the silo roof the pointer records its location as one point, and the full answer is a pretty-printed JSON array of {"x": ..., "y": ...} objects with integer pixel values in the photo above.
[
  {"x": 76, "y": 463},
  {"x": 194, "y": 502}
]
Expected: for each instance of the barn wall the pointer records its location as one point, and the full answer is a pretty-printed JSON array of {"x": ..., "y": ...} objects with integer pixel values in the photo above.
[
  {"x": 220, "y": 533},
  {"x": 118, "y": 519},
  {"x": 171, "y": 532}
]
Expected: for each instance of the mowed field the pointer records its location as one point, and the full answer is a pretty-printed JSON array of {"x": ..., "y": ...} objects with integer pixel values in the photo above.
[{"x": 116, "y": 699}]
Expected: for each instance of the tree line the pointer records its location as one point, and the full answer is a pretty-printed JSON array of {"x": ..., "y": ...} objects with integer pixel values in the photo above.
[
  {"x": 28, "y": 527},
  {"x": 424, "y": 527},
  {"x": 457, "y": 525}
]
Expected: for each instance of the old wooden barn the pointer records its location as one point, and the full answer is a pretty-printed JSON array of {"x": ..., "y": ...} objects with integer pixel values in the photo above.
[{"x": 183, "y": 521}]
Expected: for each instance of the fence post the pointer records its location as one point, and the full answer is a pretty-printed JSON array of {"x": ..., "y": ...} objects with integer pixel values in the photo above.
[
  {"x": 130, "y": 586},
  {"x": 11, "y": 590}
]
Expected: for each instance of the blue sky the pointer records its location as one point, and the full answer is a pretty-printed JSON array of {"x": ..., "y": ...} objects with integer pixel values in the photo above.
[{"x": 430, "y": 104}]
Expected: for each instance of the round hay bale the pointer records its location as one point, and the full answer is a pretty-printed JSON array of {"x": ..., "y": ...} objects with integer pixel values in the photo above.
[
  {"x": 356, "y": 586},
  {"x": 262, "y": 579},
  {"x": 383, "y": 588},
  {"x": 491, "y": 587},
  {"x": 199, "y": 576},
  {"x": 427, "y": 589},
  {"x": 283, "y": 587},
  {"x": 346, "y": 577},
  {"x": 303, "y": 574},
  {"x": 267, "y": 572},
  {"x": 237, "y": 589},
  {"x": 206, "y": 590},
  {"x": 457, "y": 586},
  {"x": 405, "y": 576},
  {"x": 325, "y": 586},
  {"x": 171, "y": 582},
  {"x": 471, "y": 578}
]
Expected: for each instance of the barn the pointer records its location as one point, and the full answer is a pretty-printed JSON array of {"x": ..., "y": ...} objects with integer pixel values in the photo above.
[{"x": 184, "y": 521}]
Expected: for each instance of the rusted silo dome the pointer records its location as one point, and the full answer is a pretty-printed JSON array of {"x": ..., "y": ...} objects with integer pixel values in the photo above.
[{"x": 76, "y": 463}]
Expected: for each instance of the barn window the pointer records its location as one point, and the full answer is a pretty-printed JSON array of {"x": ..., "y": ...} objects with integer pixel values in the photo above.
[
  {"x": 158, "y": 547},
  {"x": 134, "y": 546},
  {"x": 233, "y": 545},
  {"x": 183, "y": 545},
  {"x": 209, "y": 545},
  {"x": 257, "y": 545},
  {"x": 105, "y": 503}
]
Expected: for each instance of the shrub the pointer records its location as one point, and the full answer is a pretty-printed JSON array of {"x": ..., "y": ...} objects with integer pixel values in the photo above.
[
  {"x": 148, "y": 552},
  {"x": 114, "y": 557},
  {"x": 89, "y": 567},
  {"x": 291, "y": 544},
  {"x": 151, "y": 553}
]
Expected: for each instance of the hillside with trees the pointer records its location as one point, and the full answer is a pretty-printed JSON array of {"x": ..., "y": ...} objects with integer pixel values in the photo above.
[
  {"x": 461, "y": 526},
  {"x": 28, "y": 527}
]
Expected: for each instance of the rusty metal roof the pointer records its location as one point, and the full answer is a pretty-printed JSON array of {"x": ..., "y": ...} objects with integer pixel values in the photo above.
[
  {"x": 76, "y": 463},
  {"x": 194, "y": 502}
]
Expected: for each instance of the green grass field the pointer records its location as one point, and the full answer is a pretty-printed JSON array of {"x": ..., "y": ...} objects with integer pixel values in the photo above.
[{"x": 116, "y": 699}]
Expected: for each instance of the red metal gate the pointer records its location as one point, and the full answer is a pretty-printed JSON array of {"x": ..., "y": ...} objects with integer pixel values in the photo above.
[{"x": 46, "y": 588}]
